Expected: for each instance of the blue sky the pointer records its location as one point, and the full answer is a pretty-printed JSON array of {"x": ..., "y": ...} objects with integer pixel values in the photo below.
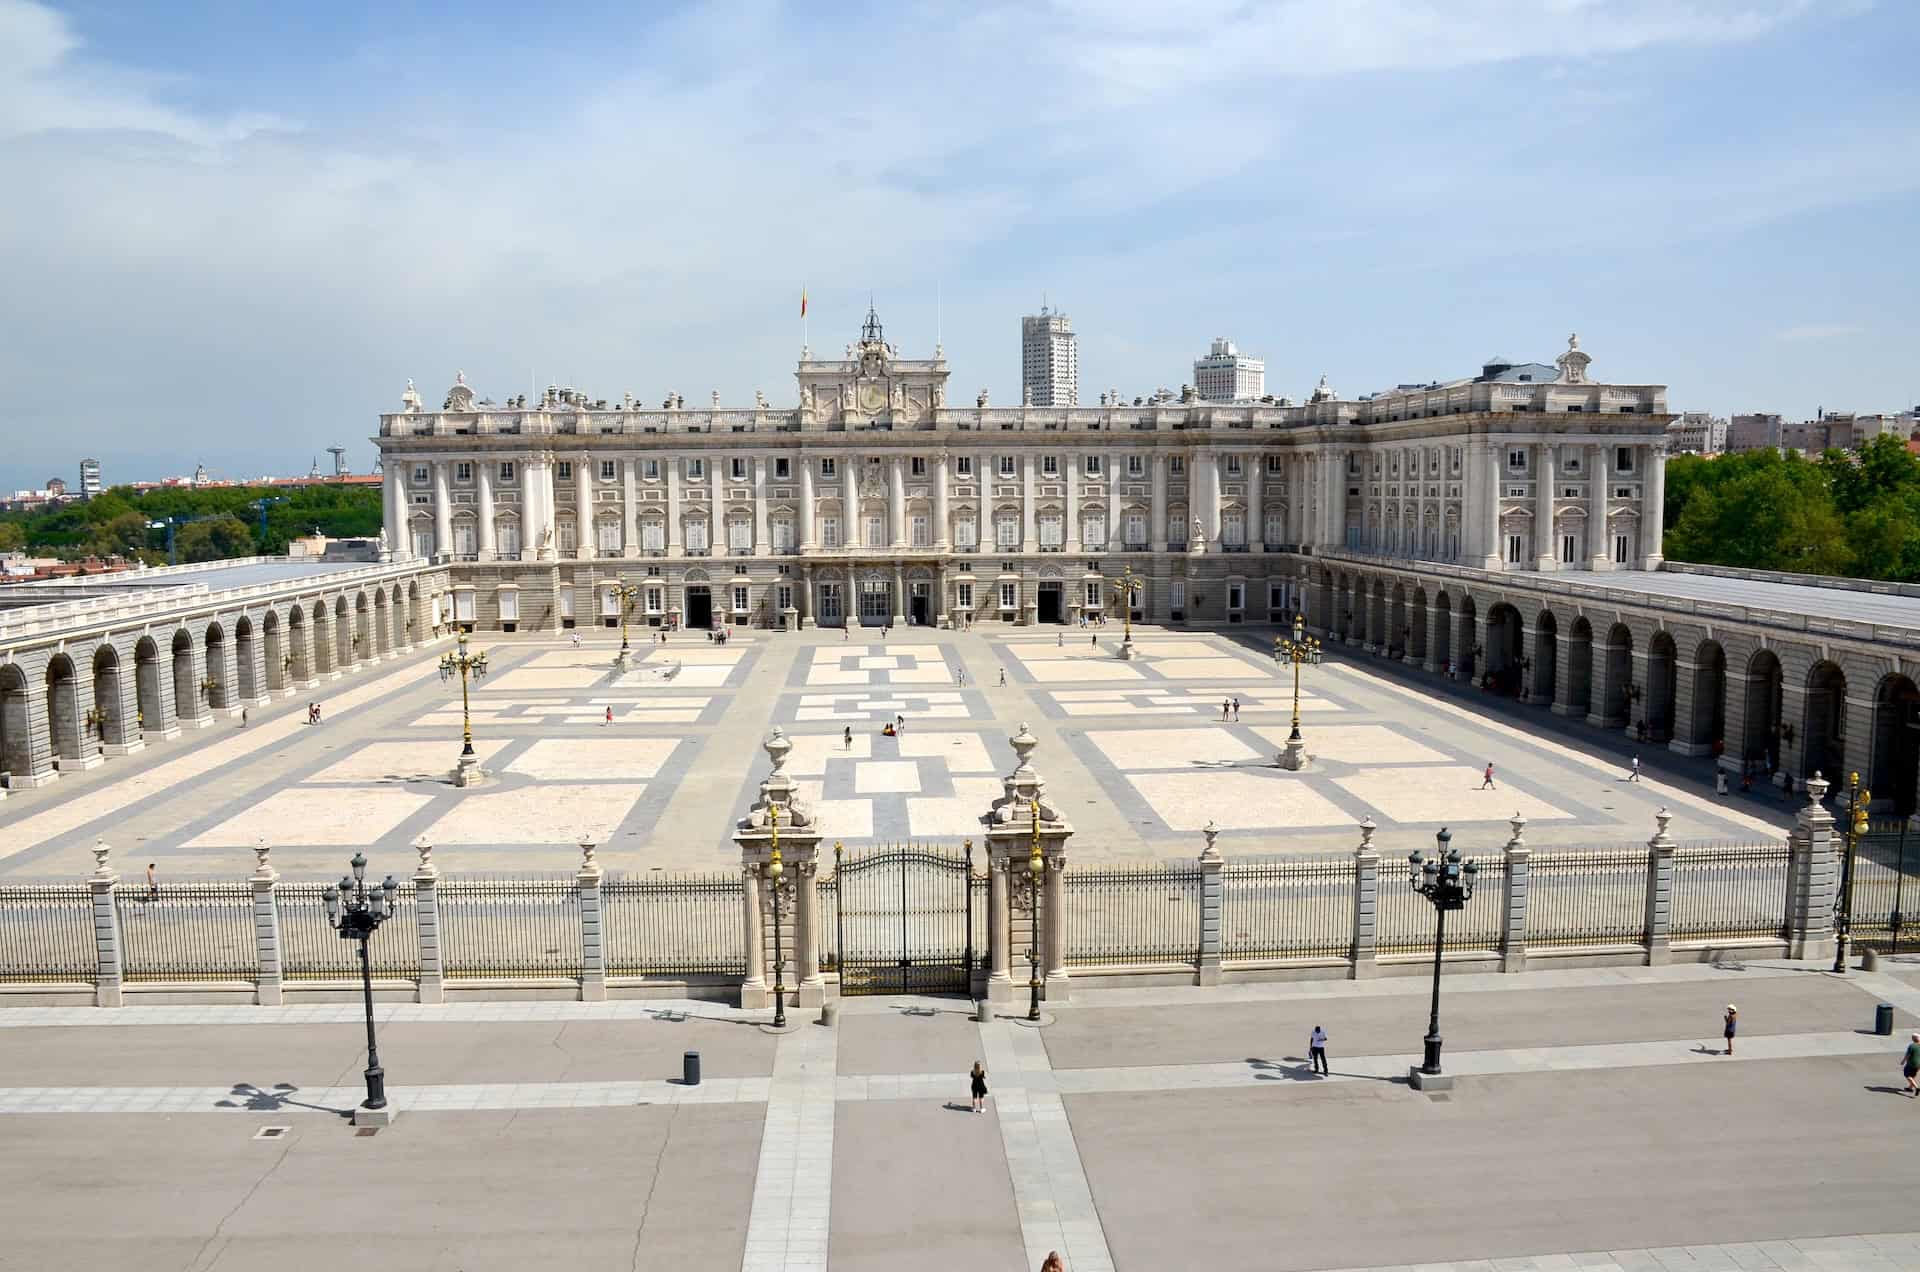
[{"x": 231, "y": 232}]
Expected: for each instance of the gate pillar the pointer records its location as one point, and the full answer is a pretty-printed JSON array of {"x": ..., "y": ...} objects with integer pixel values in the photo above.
[
  {"x": 780, "y": 820},
  {"x": 1022, "y": 822}
]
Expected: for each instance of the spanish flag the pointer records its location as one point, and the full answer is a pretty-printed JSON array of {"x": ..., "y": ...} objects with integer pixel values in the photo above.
[{"x": 803, "y": 302}]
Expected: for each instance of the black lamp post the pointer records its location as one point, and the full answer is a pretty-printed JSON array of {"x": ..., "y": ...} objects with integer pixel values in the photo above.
[
  {"x": 1447, "y": 882},
  {"x": 1857, "y": 802},
  {"x": 355, "y": 911},
  {"x": 1026, "y": 901},
  {"x": 779, "y": 889}
]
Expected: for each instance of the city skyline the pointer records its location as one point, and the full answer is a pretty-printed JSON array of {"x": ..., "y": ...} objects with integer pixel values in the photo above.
[{"x": 305, "y": 243}]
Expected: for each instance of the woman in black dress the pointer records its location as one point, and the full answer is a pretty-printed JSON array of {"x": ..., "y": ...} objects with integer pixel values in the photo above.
[{"x": 979, "y": 1077}]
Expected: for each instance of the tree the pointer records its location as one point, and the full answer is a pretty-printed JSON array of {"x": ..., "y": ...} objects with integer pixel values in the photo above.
[
  {"x": 1775, "y": 515},
  {"x": 124, "y": 534},
  {"x": 12, "y": 536},
  {"x": 215, "y": 539}
]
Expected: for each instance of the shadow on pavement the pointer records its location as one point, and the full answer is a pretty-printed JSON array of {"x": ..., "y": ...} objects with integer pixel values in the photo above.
[{"x": 278, "y": 1097}]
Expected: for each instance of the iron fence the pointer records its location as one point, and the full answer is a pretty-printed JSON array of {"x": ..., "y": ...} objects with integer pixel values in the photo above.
[
  {"x": 1727, "y": 891},
  {"x": 1147, "y": 913},
  {"x": 1405, "y": 919},
  {"x": 1287, "y": 908},
  {"x": 510, "y": 927},
  {"x": 673, "y": 925},
  {"x": 188, "y": 931},
  {"x": 311, "y": 950},
  {"x": 46, "y": 934},
  {"x": 1886, "y": 886},
  {"x": 1587, "y": 898}
]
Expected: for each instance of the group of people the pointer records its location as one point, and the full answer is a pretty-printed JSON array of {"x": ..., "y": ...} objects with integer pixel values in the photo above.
[
  {"x": 1229, "y": 708},
  {"x": 313, "y": 713}
]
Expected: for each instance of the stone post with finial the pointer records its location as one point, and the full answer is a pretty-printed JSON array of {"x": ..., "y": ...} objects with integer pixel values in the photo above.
[
  {"x": 1010, "y": 832},
  {"x": 426, "y": 918},
  {"x": 1660, "y": 891},
  {"x": 1812, "y": 878},
  {"x": 1366, "y": 903},
  {"x": 780, "y": 817},
  {"x": 269, "y": 978},
  {"x": 1513, "y": 940},
  {"x": 1212, "y": 867},
  {"x": 109, "y": 966},
  {"x": 593, "y": 950}
]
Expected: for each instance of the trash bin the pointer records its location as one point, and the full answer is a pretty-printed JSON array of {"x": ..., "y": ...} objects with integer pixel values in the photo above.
[
  {"x": 1883, "y": 1020},
  {"x": 983, "y": 1011},
  {"x": 829, "y": 1012},
  {"x": 690, "y": 1068}
]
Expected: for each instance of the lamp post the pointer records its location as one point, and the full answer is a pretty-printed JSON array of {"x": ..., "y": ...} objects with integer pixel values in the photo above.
[
  {"x": 1296, "y": 650},
  {"x": 1127, "y": 586},
  {"x": 626, "y": 594},
  {"x": 355, "y": 912},
  {"x": 464, "y": 664},
  {"x": 1447, "y": 882},
  {"x": 779, "y": 889},
  {"x": 1857, "y": 802},
  {"x": 1026, "y": 901}
]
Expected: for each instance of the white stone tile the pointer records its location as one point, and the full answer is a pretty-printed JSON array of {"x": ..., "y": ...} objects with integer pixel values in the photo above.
[
  {"x": 1244, "y": 800},
  {"x": 337, "y": 816},
  {"x": 543, "y": 814},
  {"x": 1357, "y": 744},
  {"x": 1442, "y": 794},
  {"x": 1132, "y": 749},
  {"x": 876, "y": 777},
  {"x": 961, "y": 752},
  {"x": 559, "y": 759}
]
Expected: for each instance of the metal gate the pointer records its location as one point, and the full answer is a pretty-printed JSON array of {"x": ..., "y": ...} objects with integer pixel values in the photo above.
[{"x": 903, "y": 920}]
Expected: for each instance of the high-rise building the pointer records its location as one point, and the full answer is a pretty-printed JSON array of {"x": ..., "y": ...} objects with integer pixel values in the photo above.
[
  {"x": 1754, "y": 432},
  {"x": 1227, "y": 375},
  {"x": 1049, "y": 360},
  {"x": 89, "y": 478}
]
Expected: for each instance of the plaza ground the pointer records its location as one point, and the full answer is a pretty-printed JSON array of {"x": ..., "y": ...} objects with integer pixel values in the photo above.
[
  {"x": 1135, "y": 753},
  {"x": 1594, "y": 1123}
]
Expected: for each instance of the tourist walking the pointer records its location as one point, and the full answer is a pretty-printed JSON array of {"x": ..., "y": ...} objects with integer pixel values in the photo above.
[
  {"x": 1317, "y": 1049},
  {"x": 153, "y": 883},
  {"x": 1720, "y": 781},
  {"x": 1236, "y": 709},
  {"x": 849, "y": 737},
  {"x": 1634, "y": 774},
  {"x": 1226, "y": 707},
  {"x": 243, "y": 717},
  {"x": 1486, "y": 778},
  {"x": 1730, "y": 1025},
  {"x": 609, "y": 719},
  {"x": 1060, "y": 640},
  {"x": 978, "y": 1078},
  {"x": 1053, "y": 1263},
  {"x": 1910, "y": 1066},
  {"x": 1003, "y": 677}
]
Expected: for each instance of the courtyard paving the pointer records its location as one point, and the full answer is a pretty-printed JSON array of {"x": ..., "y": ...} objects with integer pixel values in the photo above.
[
  {"x": 1139, "y": 755},
  {"x": 1594, "y": 1124}
]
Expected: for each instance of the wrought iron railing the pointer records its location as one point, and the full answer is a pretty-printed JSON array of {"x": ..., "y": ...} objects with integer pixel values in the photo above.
[
  {"x": 673, "y": 925},
  {"x": 1405, "y": 919},
  {"x": 1729, "y": 891},
  {"x": 311, "y": 950},
  {"x": 188, "y": 931},
  {"x": 46, "y": 934},
  {"x": 1147, "y": 913},
  {"x": 1287, "y": 908},
  {"x": 1587, "y": 898},
  {"x": 510, "y": 927},
  {"x": 1886, "y": 886}
]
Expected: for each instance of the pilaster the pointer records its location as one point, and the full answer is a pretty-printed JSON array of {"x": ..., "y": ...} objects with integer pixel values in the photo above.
[
  {"x": 1022, "y": 823},
  {"x": 268, "y": 976},
  {"x": 1211, "y": 895},
  {"x": 1513, "y": 942},
  {"x": 1366, "y": 904},
  {"x": 593, "y": 950},
  {"x": 1812, "y": 878},
  {"x": 109, "y": 967},
  {"x": 426, "y": 917},
  {"x": 1660, "y": 892}
]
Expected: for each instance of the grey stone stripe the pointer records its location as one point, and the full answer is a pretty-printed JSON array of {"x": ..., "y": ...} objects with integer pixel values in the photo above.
[
  {"x": 787, "y": 1229},
  {"x": 342, "y": 1099},
  {"x": 1873, "y": 1252}
]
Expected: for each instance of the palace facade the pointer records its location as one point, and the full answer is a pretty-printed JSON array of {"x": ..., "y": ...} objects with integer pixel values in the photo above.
[{"x": 874, "y": 500}]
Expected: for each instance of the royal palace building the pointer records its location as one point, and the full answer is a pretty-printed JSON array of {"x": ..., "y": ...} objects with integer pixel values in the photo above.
[{"x": 875, "y": 500}]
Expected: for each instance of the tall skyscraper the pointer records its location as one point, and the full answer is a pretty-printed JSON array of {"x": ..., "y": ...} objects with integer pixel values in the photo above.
[
  {"x": 1049, "y": 360},
  {"x": 1227, "y": 375},
  {"x": 89, "y": 478}
]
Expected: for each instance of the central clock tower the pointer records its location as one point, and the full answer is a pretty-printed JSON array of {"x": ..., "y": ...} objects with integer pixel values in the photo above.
[{"x": 872, "y": 387}]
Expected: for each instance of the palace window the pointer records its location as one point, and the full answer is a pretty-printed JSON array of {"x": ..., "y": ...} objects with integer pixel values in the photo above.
[
  {"x": 922, "y": 536},
  {"x": 917, "y": 466},
  {"x": 1567, "y": 549},
  {"x": 1623, "y": 459},
  {"x": 1236, "y": 596},
  {"x": 609, "y": 537},
  {"x": 1177, "y": 465},
  {"x": 1620, "y": 550},
  {"x": 1276, "y": 527},
  {"x": 1517, "y": 460},
  {"x": 739, "y": 596},
  {"x": 1092, "y": 468},
  {"x": 1049, "y": 465},
  {"x": 1136, "y": 530},
  {"x": 697, "y": 535},
  {"x": 876, "y": 532},
  {"x": 1006, "y": 531},
  {"x": 963, "y": 466},
  {"x": 829, "y": 532},
  {"x": 1009, "y": 596},
  {"x": 608, "y": 470},
  {"x": 463, "y": 472},
  {"x": 740, "y": 535},
  {"x": 509, "y": 545},
  {"x": 696, "y": 469},
  {"x": 656, "y": 599},
  {"x": 1233, "y": 465},
  {"x": 563, "y": 471},
  {"x": 1275, "y": 464},
  {"x": 782, "y": 534},
  {"x": 1136, "y": 465},
  {"x": 1513, "y": 547},
  {"x": 653, "y": 536},
  {"x": 1006, "y": 466},
  {"x": 564, "y": 536},
  {"x": 1093, "y": 595},
  {"x": 782, "y": 469},
  {"x": 966, "y": 533},
  {"x": 420, "y": 474},
  {"x": 1093, "y": 529},
  {"x": 651, "y": 470},
  {"x": 738, "y": 465},
  {"x": 827, "y": 467},
  {"x": 1177, "y": 594},
  {"x": 1050, "y": 530},
  {"x": 963, "y": 595}
]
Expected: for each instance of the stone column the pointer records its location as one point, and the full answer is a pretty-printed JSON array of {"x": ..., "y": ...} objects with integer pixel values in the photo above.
[
  {"x": 999, "y": 930},
  {"x": 675, "y": 541},
  {"x": 805, "y": 529},
  {"x": 1812, "y": 879},
  {"x": 1598, "y": 547},
  {"x": 1029, "y": 535},
  {"x": 1157, "y": 527},
  {"x": 1660, "y": 892},
  {"x": 1070, "y": 532},
  {"x": 1022, "y": 815},
  {"x": 1653, "y": 504},
  {"x": 851, "y": 531},
  {"x": 1210, "y": 463},
  {"x": 1256, "y": 507},
  {"x": 226, "y": 670},
  {"x": 629, "y": 509},
  {"x": 761, "y": 544},
  {"x": 1546, "y": 554},
  {"x": 806, "y": 597},
  {"x": 1513, "y": 942},
  {"x": 1116, "y": 528},
  {"x": 442, "y": 511},
  {"x": 268, "y": 977},
  {"x": 899, "y": 594},
  {"x": 1431, "y": 618},
  {"x": 426, "y": 918},
  {"x": 942, "y": 530},
  {"x": 593, "y": 949},
  {"x": 897, "y": 501},
  {"x": 780, "y": 819},
  {"x": 394, "y": 509},
  {"x": 1533, "y": 690},
  {"x": 717, "y": 517},
  {"x": 1366, "y": 903},
  {"x": 489, "y": 544},
  {"x": 585, "y": 543},
  {"x": 1211, "y": 896},
  {"x": 109, "y": 968}
]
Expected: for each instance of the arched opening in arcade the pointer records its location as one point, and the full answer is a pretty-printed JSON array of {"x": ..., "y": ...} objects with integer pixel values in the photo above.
[
  {"x": 1618, "y": 692},
  {"x": 110, "y": 716},
  {"x": 15, "y": 722},
  {"x": 1545, "y": 664},
  {"x": 1505, "y": 642},
  {"x": 185, "y": 703},
  {"x": 243, "y": 649},
  {"x": 1765, "y": 695},
  {"x": 1399, "y": 633},
  {"x": 63, "y": 710},
  {"x": 1896, "y": 743},
  {"x": 1468, "y": 649},
  {"x": 1706, "y": 729},
  {"x": 1663, "y": 684},
  {"x": 276, "y": 650},
  {"x": 1417, "y": 625},
  {"x": 219, "y": 692},
  {"x": 146, "y": 684},
  {"x": 1443, "y": 633},
  {"x": 1580, "y": 669},
  {"x": 1826, "y": 722},
  {"x": 322, "y": 640}
]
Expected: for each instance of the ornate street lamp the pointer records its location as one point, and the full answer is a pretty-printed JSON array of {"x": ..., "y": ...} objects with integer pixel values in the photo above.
[
  {"x": 464, "y": 664},
  {"x": 626, "y": 594},
  {"x": 780, "y": 889},
  {"x": 1127, "y": 587},
  {"x": 355, "y": 911},
  {"x": 1300, "y": 648},
  {"x": 1447, "y": 882},
  {"x": 1026, "y": 901},
  {"x": 1857, "y": 802}
]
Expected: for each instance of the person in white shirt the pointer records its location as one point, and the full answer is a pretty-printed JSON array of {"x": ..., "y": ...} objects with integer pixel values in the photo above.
[{"x": 1317, "y": 1049}]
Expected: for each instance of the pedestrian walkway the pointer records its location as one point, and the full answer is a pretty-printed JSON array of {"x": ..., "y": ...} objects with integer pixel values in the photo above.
[
  {"x": 1879, "y": 1252},
  {"x": 787, "y": 1230}
]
